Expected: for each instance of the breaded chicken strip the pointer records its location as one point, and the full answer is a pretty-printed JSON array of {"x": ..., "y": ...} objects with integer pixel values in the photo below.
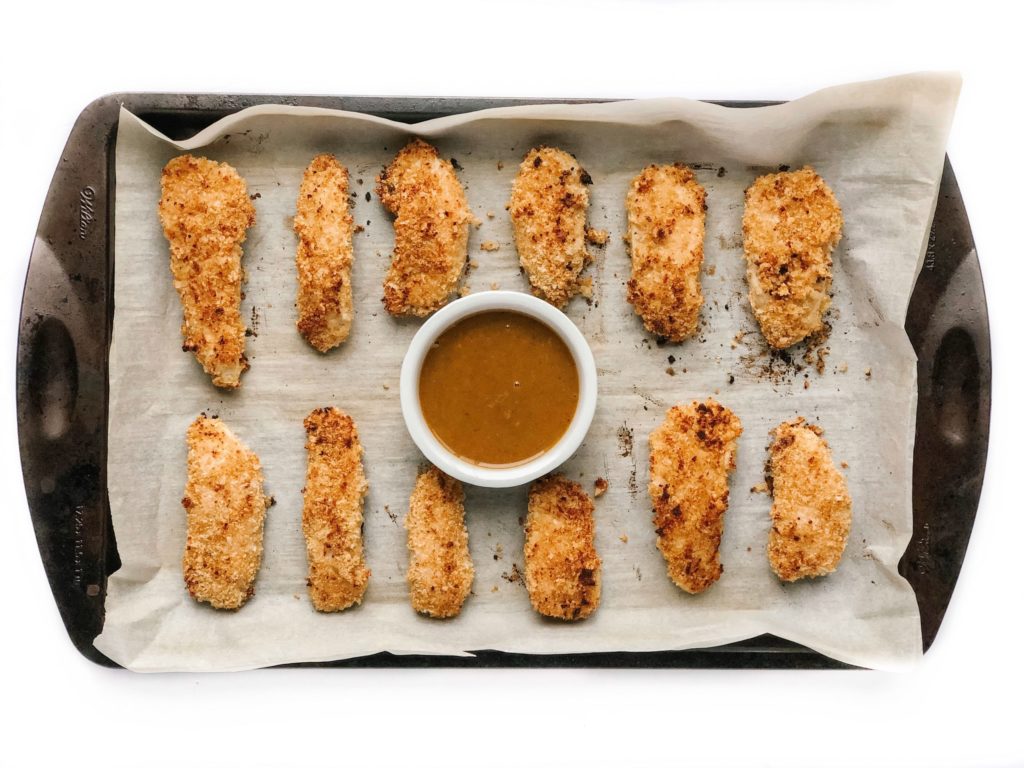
[
  {"x": 665, "y": 218},
  {"x": 791, "y": 223},
  {"x": 811, "y": 504},
  {"x": 332, "y": 510},
  {"x": 563, "y": 571},
  {"x": 440, "y": 569},
  {"x": 225, "y": 506},
  {"x": 549, "y": 216},
  {"x": 324, "y": 256},
  {"x": 431, "y": 230},
  {"x": 693, "y": 452},
  {"x": 205, "y": 211}
]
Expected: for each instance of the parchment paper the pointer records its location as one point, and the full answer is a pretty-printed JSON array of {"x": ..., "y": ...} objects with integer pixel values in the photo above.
[{"x": 880, "y": 146}]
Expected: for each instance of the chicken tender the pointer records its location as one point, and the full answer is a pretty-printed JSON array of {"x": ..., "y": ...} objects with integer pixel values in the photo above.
[
  {"x": 332, "y": 511},
  {"x": 791, "y": 223},
  {"x": 323, "y": 259},
  {"x": 563, "y": 571},
  {"x": 440, "y": 569},
  {"x": 665, "y": 218},
  {"x": 431, "y": 230},
  {"x": 225, "y": 507},
  {"x": 693, "y": 452},
  {"x": 810, "y": 503},
  {"x": 549, "y": 216},
  {"x": 205, "y": 211}
]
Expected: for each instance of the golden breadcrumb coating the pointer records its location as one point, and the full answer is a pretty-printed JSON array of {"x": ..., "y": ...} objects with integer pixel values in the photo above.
[
  {"x": 431, "y": 230},
  {"x": 693, "y": 452},
  {"x": 225, "y": 506},
  {"x": 441, "y": 571},
  {"x": 332, "y": 510},
  {"x": 563, "y": 571},
  {"x": 323, "y": 259},
  {"x": 548, "y": 207},
  {"x": 811, "y": 503},
  {"x": 791, "y": 223},
  {"x": 205, "y": 211},
  {"x": 665, "y": 219}
]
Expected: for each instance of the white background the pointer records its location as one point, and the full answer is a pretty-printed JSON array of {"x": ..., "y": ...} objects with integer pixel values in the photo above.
[{"x": 961, "y": 706}]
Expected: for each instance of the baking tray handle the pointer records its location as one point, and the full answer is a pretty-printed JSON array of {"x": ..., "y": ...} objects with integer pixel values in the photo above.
[
  {"x": 61, "y": 377},
  {"x": 947, "y": 323}
]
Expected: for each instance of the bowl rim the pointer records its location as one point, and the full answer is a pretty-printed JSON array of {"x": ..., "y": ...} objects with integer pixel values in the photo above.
[{"x": 444, "y": 318}]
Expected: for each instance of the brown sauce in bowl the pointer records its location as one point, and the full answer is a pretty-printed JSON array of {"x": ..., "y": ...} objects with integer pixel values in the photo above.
[{"x": 498, "y": 388}]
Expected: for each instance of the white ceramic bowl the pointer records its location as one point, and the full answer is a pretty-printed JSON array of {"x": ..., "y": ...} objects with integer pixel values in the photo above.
[{"x": 498, "y": 477}]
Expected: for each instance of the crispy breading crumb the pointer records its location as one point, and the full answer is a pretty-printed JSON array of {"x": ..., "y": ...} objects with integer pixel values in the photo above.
[
  {"x": 474, "y": 264},
  {"x": 440, "y": 574},
  {"x": 816, "y": 352},
  {"x": 867, "y": 373},
  {"x": 489, "y": 245},
  {"x": 810, "y": 503},
  {"x": 225, "y": 507},
  {"x": 490, "y": 214},
  {"x": 586, "y": 286},
  {"x": 598, "y": 237},
  {"x": 693, "y": 452},
  {"x": 323, "y": 258},
  {"x": 514, "y": 576},
  {"x": 761, "y": 487},
  {"x": 332, "y": 510},
  {"x": 548, "y": 207},
  {"x": 431, "y": 230},
  {"x": 205, "y": 211},
  {"x": 843, "y": 368},
  {"x": 665, "y": 216},
  {"x": 495, "y": 285},
  {"x": 465, "y": 291},
  {"x": 624, "y": 539},
  {"x": 791, "y": 223},
  {"x": 563, "y": 570},
  {"x": 600, "y": 487}
]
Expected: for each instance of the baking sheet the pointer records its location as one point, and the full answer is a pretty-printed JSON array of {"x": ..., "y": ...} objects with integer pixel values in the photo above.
[{"x": 880, "y": 146}]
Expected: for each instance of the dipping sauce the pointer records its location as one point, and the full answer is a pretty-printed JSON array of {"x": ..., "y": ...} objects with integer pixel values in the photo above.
[{"x": 498, "y": 388}]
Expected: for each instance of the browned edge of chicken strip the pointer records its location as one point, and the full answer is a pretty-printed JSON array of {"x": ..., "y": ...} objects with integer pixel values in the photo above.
[
  {"x": 562, "y": 568},
  {"x": 811, "y": 505},
  {"x": 693, "y": 452},
  {"x": 441, "y": 570},
  {"x": 665, "y": 208},
  {"x": 225, "y": 507},
  {"x": 323, "y": 259},
  {"x": 332, "y": 510},
  {"x": 205, "y": 211},
  {"x": 548, "y": 207},
  {"x": 791, "y": 223},
  {"x": 432, "y": 221}
]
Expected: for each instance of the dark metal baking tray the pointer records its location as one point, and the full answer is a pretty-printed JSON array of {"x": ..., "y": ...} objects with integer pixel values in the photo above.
[{"x": 62, "y": 387}]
